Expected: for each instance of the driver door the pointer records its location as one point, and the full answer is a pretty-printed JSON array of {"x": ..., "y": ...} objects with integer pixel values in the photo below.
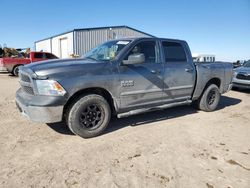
[{"x": 141, "y": 85}]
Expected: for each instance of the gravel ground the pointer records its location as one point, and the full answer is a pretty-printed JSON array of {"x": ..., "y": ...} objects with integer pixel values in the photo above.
[{"x": 178, "y": 147}]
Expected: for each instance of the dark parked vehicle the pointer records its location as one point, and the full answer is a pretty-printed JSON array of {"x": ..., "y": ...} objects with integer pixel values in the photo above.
[
  {"x": 236, "y": 64},
  {"x": 241, "y": 78},
  {"x": 120, "y": 77}
]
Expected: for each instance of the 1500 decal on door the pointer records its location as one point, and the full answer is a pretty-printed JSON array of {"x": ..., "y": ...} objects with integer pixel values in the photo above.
[{"x": 127, "y": 83}]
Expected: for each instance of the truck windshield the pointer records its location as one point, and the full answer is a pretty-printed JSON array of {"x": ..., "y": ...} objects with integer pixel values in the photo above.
[
  {"x": 247, "y": 64},
  {"x": 107, "y": 51}
]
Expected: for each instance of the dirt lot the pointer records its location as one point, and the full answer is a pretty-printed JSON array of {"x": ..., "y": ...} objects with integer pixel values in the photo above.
[{"x": 178, "y": 147}]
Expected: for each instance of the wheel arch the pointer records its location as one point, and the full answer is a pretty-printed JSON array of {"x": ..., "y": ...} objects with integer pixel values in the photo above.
[
  {"x": 94, "y": 90},
  {"x": 215, "y": 81},
  {"x": 199, "y": 92},
  {"x": 17, "y": 65},
  {"x": 13, "y": 68}
]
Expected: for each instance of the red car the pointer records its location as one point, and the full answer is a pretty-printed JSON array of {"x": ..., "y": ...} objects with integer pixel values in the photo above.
[{"x": 11, "y": 64}]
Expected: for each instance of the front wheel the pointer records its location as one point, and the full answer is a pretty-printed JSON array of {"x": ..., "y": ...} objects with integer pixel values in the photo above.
[
  {"x": 210, "y": 98},
  {"x": 15, "y": 70},
  {"x": 89, "y": 116}
]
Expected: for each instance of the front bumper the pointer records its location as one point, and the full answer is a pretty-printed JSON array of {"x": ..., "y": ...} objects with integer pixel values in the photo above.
[
  {"x": 39, "y": 113},
  {"x": 244, "y": 84},
  {"x": 3, "y": 68},
  {"x": 230, "y": 86}
]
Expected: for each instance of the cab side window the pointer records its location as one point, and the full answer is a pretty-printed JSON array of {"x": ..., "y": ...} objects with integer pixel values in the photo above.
[
  {"x": 174, "y": 52},
  {"x": 148, "y": 48},
  {"x": 39, "y": 55},
  {"x": 50, "y": 56}
]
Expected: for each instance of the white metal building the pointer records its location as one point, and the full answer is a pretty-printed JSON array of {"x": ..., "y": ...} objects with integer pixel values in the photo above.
[
  {"x": 203, "y": 58},
  {"x": 79, "y": 41}
]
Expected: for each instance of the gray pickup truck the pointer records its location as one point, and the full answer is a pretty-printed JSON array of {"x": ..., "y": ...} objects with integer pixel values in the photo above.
[{"x": 120, "y": 77}]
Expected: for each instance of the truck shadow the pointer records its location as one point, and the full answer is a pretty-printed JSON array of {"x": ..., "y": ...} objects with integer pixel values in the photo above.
[
  {"x": 60, "y": 127},
  {"x": 4, "y": 73},
  {"x": 228, "y": 101},
  {"x": 149, "y": 117},
  {"x": 8, "y": 74},
  {"x": 161, "y": 115}
]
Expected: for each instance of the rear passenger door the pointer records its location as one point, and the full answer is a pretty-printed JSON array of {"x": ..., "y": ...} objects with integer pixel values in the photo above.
[{"x": 179, "y": 72}]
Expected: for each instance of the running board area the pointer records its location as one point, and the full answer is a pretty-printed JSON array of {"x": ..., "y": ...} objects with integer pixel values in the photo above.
[{"x": 142, "y": 110}]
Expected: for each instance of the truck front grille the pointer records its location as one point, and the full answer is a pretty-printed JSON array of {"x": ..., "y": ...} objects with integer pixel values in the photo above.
[
  {"x": 243, "y": 76},
  {"x": 26, "y": 83},
  {"x": 28, "y": 90}
]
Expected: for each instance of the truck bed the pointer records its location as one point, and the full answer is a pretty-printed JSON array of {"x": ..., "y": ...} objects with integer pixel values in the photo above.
[{"x": 206, "y": 71}]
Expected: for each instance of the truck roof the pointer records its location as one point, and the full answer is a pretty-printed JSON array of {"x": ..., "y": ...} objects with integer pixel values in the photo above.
[{"x": 140, "y": 38}]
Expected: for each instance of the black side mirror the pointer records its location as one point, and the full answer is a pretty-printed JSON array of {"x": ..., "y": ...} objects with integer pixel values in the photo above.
[{"x": 134, "y": 59}]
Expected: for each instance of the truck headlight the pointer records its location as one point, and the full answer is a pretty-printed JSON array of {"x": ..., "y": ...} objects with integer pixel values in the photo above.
[
  {"x": 234, "y": 74},
  {"x": 49, "y": 87}
]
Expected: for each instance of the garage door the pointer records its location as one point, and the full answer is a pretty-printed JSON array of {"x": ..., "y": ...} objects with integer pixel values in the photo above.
[{"x": 64, "y": 48}]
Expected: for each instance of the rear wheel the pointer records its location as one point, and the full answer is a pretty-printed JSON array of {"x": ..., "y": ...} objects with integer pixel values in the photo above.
[
  {"x": 89, "y": 116},
  {"x": 15, "y": 70},
  {"x": 210, "y": 98}
]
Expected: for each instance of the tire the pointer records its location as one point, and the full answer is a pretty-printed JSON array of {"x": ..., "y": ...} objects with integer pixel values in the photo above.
[
  {"x": 89, "y": 116},
  {"x": 15, "y": 70},
  {"x": 210, "y": 98}
]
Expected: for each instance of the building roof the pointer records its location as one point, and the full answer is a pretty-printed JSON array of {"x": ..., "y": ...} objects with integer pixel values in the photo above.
[
  {"x": 199, "y": 55},
  {"x": 95, "y": 28}
]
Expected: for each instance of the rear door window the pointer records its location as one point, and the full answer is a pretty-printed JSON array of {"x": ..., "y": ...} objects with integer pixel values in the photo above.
[
  {"x": 39, "y": 56},
  {"x": 174, "y": 52},
  {"x": 50, "y": 56}
]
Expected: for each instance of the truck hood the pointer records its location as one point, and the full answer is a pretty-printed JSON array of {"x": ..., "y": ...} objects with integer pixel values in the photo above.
[
  {"x": 65, "y": 67},
  {"x": 242, "y": 69}
]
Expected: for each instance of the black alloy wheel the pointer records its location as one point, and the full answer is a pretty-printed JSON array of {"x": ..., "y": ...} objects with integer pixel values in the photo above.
[
  {"x": 88, "y": 116},
  {"x": 211, "y": 97},
  {"x": 91, "y": 117}
]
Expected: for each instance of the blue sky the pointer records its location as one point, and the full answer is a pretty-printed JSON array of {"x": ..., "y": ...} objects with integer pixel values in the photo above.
[{"x": 220, "y": 27}]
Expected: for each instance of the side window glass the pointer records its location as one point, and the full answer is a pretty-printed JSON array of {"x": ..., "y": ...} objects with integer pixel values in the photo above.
[
  {"x": 50, "y": 56},
  {"x": 174, "y": 52},
  {"x": 147, "y": 48},
  {"x": 38, "y": 55}
]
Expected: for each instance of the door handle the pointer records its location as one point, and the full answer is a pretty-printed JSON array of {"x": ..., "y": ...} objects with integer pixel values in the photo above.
[
  {"x": 189, "y": 69},
  {"x": 155, "y": 71}
]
